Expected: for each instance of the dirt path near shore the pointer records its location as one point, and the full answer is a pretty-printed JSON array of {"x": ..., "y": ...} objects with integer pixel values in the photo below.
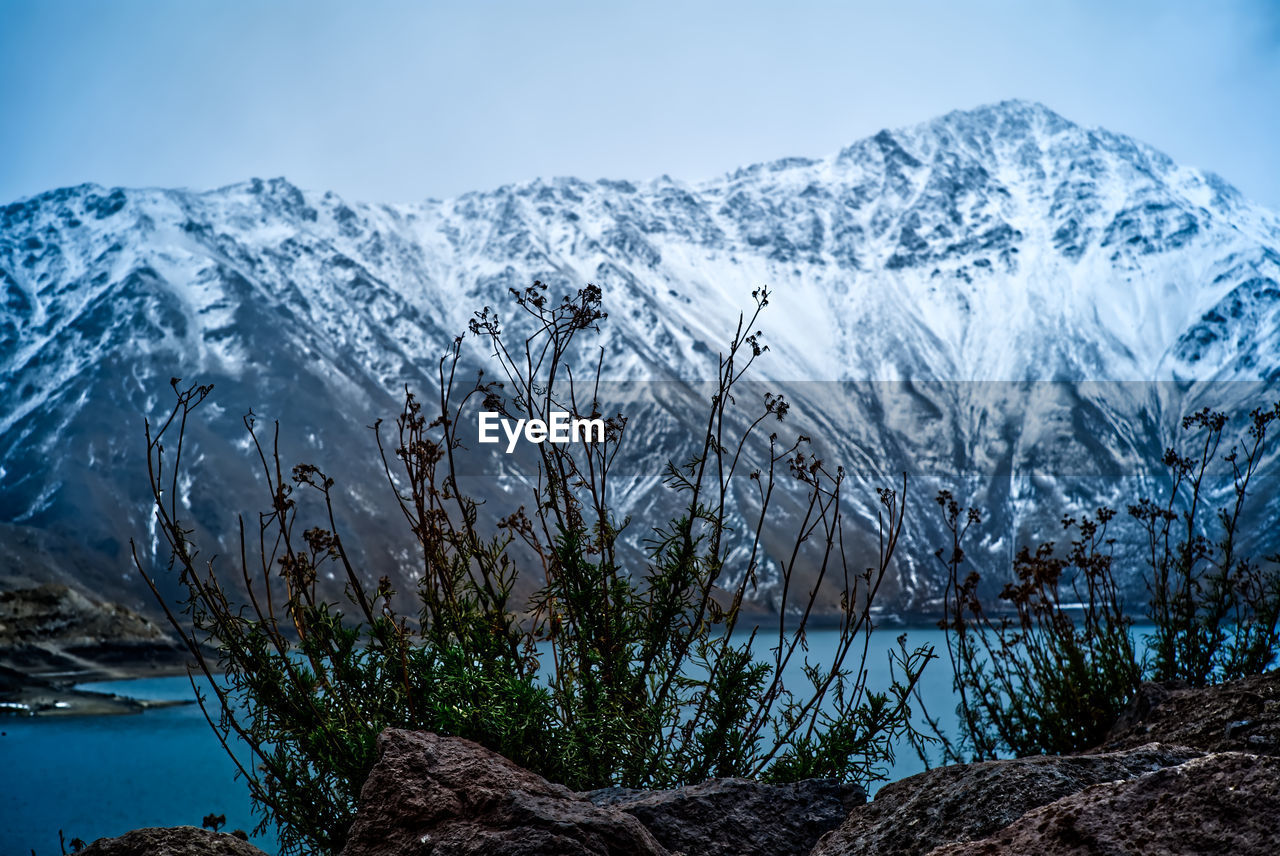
[{"x": 53, "y": 637}]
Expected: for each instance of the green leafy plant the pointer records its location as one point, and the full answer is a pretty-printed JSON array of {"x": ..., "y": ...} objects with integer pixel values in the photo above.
[
  {"x": 1051, "y": 675},
  {"x": 1215, "y": 611},
  {"x": 1053, "y": 668},
  {"x": 616, "y": 670}
]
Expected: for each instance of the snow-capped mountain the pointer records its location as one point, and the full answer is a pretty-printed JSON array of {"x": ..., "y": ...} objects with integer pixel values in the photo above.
[{"x": 998, "y": 300}]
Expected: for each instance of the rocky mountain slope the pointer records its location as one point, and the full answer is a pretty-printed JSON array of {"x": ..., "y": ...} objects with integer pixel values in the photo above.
[{"x": 998, "y": 301}]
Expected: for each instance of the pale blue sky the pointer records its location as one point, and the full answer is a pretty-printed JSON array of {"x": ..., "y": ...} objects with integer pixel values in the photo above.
[{"x": 384, "y": 101}]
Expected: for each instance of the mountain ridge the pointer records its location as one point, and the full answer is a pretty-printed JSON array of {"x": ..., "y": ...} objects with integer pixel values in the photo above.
[{"x": 1002, "y": 244}]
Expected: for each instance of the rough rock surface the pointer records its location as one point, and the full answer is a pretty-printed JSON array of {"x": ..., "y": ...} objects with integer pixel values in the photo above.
[
  {"x": 447, "y": 796},
  {"x": 61, "y": 614},
  {"x": 971, "y": 801},
  {"x": 1225, "y": 803},
  {"x": 172, "y": 841},
  {"x": 738, "y": 817},
  {"x": 1240, "y": 716}
]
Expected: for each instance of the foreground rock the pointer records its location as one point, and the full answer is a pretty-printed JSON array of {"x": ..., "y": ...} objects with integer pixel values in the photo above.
[
  {"x": 451, "y": 797},
  {"x": 1225, "y": 803},
  {"x": 172, "y": 841},
  {"x": 1240, "y": 716},
  {"x": 447, "y": 797},
  {"x": 971, "y": 801},
  {"x": 738, "y": 817}
]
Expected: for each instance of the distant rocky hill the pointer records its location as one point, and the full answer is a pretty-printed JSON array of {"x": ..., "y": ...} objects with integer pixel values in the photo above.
[{"x": 57, "y": 632}]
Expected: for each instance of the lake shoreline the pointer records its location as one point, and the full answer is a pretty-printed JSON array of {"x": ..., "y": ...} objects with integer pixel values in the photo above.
[
  {"x": 31, "y": 694},
  {"x": 54, "y": 638},
  {"x": 27, "y": 696}
]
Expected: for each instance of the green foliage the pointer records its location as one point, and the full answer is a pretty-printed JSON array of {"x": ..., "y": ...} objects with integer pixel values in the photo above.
[
  {"x": 1215, "y": 611},
  {"x": 1051, "y": 676},
  {"x": 615, "y": 671},
  {"x": 1052, "y": 671}
]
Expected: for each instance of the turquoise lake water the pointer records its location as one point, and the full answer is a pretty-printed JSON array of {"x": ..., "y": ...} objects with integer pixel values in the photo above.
[{"x": 104, "y": 775}]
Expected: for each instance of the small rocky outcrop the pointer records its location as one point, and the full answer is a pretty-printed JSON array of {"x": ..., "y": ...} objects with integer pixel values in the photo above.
[
  {"x": 172, "y": 841},
  {"x": 1240, "y": 716},
  {"x": 738, "y": 817},
  {"x": 53, "y": 637},
  {"x": 60, "y": 614},
  {"x": 446, "y": 796},
  {"x": 54, "y": 628},
  {"x": 968, "y": 802},
  {"x": 1225, "y": 803}
]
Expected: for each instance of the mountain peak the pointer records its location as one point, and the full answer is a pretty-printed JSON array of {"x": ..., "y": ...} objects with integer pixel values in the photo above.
[
  {"x": 1011, "y": 109},
  {"x": 1000, "y": 243}
]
